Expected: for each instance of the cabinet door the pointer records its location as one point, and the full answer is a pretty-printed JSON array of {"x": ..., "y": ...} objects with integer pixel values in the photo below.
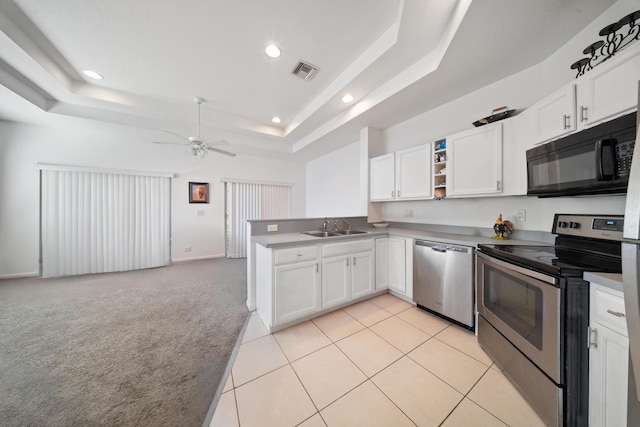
[
  {"x": 475, "y": 162},
  {"x": 608, "y": 376},
  {"x": 335, "y": 280},
  {"x": 609, "y": 90},
  {"x": 397, "y": 265},
  {"x": 382, "y": 178},
  {"x": 382, "y": 263},
  {"x": 554, "y": 116},
  {"x": 296, "y": 291},
  {"x": 413, "y": 173},
  {"x": 361, "y": 274}
]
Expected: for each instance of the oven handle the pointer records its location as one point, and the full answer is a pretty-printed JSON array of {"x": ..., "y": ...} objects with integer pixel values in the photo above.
[{"x": 508, "y": 266}]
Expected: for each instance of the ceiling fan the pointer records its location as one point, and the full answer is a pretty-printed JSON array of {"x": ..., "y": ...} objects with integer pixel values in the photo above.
[{"x": 197, "y": 147}]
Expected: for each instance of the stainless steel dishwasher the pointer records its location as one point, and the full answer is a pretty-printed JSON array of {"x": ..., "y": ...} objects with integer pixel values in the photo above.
[{"x": 443, "y": 280}]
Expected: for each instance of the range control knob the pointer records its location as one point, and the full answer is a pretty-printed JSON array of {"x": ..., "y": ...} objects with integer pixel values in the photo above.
[
  {"x": 574, "y": 224},
  {"x": 562, "y": 224}
]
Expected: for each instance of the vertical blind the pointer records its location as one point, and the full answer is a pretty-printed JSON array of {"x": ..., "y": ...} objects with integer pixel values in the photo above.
[
  {"x": 95, "y": 222},
  {"x": 245, "y": 201}
]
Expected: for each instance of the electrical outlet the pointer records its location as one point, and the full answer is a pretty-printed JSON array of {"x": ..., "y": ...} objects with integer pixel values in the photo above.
[
  {"x": 520, "y": 215},
  {"x": 187, "y": 249},
  {"x": 200, "y": 212},
  {"x": 408, "y": 213},
  {"x": 272, "y": 227}
]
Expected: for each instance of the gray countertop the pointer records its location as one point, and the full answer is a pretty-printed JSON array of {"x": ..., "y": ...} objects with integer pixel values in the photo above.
[{"x": 297, "y": 239}]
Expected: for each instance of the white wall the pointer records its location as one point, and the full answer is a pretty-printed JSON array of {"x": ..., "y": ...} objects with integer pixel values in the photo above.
[
  {"x": 333, "y": 184},
  {"x": 102, "y": 145},
  {"x": 518, "y": 91}
]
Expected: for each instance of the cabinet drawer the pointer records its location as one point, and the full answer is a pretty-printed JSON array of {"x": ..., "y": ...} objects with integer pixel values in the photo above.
[
  {"x": 333, "y": 249},
  {"x": 608, "y": 308},
  {"x": 301, "y": 253}
]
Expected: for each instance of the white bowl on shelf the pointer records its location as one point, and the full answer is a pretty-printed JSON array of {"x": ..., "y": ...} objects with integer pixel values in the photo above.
[{"x": 380, "y": 225}]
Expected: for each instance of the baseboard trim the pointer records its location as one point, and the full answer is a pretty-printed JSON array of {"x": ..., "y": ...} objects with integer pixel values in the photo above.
[
  {"x": 20, "y": 275},
  {"x": 196, "y": 258}
]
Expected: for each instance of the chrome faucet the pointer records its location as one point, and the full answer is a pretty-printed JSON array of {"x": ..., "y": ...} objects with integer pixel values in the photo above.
[
  {"x": 347, "y": 224},
  {"x": 324, "y": 225},
  {"x": 335, "y": 225}
]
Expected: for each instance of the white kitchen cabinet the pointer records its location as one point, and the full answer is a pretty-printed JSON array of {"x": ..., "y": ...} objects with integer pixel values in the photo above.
[
  {"x": 362, "y": 273},
  {"x": 413, "y": 173},
  {"x": 610, "y": 89},
  {"x": 553, "y": 116},
  {"x": 347, "y": 271},
  {"x": 608, "y": 358},
  {"x": 474, "y": 162},
  {"x": 382, "y": 263},
  {"x": 403, "y": 175},
  {"x": 382, "y": 178},
  {"x": 296, "y": 291},
  {"x": 335, "y": 280}
]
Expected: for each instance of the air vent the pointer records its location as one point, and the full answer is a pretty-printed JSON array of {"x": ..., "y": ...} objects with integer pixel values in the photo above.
[{"x": 304, "y": 70}]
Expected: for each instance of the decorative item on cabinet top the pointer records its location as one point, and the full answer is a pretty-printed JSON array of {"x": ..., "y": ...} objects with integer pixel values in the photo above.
[
  {"x": 499, "y": 113},
  {"x": 613, "y": 42}
]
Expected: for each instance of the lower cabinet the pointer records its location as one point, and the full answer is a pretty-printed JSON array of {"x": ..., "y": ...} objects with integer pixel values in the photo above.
[
  {"x": 608, "y": 358},
  {"x": 296, "y": 290},
  {"x": 347, "y": 271},
  {"x": 296, "y": 282},
  {"x": 394, "y": 265}
]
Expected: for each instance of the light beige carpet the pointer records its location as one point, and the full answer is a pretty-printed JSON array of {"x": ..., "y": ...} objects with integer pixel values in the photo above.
[{"x": 141, "y": 348}]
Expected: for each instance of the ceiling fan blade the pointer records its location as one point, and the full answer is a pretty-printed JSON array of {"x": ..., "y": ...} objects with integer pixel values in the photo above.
[
  {"x": 214, "y": 143},
  {"x": 176, "y": 134},
  {"x": 170, "y": 143},
  {"x": 217, "y": 150}
]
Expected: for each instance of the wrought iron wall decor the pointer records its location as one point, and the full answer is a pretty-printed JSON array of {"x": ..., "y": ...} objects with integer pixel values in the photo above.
[{"x": 616, "y": 37}]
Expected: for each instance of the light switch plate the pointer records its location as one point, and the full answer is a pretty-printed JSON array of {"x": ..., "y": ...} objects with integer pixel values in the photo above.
[
  {"x": 520, "y": 215},
  {"x": 272, "y": 227}
]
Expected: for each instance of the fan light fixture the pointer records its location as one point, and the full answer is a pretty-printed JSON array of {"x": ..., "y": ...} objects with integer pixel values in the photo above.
[
  {"x": 273, "y": 51},
  {"x": 92, "y": 74}
]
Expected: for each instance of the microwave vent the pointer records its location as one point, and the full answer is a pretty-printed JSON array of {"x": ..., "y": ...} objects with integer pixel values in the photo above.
[{"x": 304, "y": 70}]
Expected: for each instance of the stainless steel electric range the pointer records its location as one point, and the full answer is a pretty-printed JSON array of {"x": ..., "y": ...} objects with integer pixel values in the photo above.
[{"x": 533, "y": 307}]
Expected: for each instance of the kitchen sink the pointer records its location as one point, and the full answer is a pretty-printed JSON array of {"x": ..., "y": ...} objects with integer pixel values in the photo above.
[
  {"x": 322, "y": 233},
  {"x": 349, "y": 232}
]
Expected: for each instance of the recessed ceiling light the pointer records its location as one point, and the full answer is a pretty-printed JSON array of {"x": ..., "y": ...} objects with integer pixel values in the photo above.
[
  {"x": 92, "y": 74},
  {"x": 276, "y": 120},
  {"x": 347, "y": 98},
  {"x": 273, "y": 51}
]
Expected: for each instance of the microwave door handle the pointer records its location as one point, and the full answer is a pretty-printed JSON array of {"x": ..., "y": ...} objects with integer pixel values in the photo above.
[{"x": 605, "y": 160}]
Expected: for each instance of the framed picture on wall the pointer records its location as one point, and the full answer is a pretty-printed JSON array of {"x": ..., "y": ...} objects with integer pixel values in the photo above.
[{"x": 198, "y": 192}]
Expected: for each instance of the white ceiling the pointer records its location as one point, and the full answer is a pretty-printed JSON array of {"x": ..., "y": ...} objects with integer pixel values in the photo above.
[{"x": 398, "y": 59}]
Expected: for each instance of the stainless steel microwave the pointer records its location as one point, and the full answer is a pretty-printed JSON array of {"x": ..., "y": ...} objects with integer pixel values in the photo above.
[{"x": 594, "y": 161}]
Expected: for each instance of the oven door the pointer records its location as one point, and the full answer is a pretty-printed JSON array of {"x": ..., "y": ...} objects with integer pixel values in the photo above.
[{"x": 524, "y": 306}]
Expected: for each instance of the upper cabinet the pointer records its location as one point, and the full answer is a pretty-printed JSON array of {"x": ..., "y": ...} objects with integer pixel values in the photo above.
[
  {"x": 554, "y": 116},
  {"x": 474, "y": 162},
  {"x": 403, "y": 175},
  {"x": 609, "y": 90}
]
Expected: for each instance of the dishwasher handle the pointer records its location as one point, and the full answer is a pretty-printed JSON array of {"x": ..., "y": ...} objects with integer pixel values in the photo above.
[{"x": 442, "y": 247}]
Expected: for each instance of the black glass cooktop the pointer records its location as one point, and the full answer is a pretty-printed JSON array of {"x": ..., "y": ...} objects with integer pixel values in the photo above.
[{"x": 558, "y": 260}]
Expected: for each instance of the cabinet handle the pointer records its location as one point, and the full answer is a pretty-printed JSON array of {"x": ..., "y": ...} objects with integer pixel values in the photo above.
[
  {"x": 498, "y": 185},
  {"x": 592, "y": 337},
  {"x": 317, "y": 268},
  {"x": 354, "y": 260},
  {"x": 566, "y": 124},
  {"x": 583, "y": 114},
  {"x": 615, "y": 313},
  {"x": 393, "y": 193},
  {"x": 347, "y": 260},
  {"x": 398, "y": 193}
]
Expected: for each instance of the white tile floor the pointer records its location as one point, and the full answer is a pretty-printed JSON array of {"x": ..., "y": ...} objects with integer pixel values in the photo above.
[{"x": 381, "y": 362}]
